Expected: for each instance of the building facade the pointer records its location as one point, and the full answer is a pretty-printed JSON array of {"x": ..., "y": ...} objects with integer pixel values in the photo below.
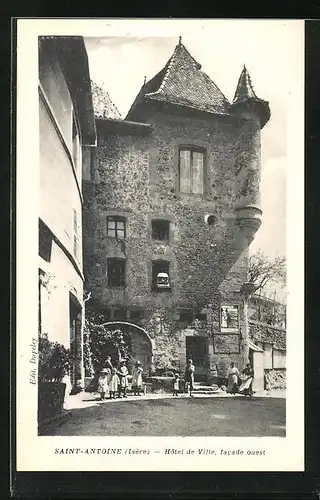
[
  {"x": 171, "y": 205},
  {"x": 66, "y": 125}
]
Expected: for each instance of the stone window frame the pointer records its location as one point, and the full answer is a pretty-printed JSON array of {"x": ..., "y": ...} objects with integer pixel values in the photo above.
[
  {"x": 152, "y": 284},
  {"x": 122, "y": 284},
  {"x": 117, "y": 218},
  {"x": 116, "y": 213},
  {"x": 197, "y": 148},
  {"x": 161, "y": 216},
  {"x": 161, "y": 220}
]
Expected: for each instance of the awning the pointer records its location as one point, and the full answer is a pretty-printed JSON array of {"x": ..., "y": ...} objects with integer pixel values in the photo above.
[{"x": 253, "y": 346}]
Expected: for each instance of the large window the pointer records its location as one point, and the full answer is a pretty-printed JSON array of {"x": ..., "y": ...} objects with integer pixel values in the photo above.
[
  {"x": 116, "y": 272},
  {"x": 191, "y": 168},
  {"x": 116, "y": 227}
]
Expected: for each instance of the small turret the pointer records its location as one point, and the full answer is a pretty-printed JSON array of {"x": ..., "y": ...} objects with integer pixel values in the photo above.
[{"x": 246, "y": 102}]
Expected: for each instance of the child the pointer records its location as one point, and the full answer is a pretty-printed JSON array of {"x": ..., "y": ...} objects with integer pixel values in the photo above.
[
  {"x": 137, "y": 379},
  {"x": 123, "y": 375},
  {"x": 176, "y": 384},
  {"x": 103, "y": 388},
  {"x": 113, "y": 383}
]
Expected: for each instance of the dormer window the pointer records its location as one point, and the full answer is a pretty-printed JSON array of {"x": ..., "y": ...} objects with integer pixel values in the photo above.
[
  {"x": 116, "y": 226},
  {"x": 160, "y": 230},
  {"x": 191, "y": 168}
]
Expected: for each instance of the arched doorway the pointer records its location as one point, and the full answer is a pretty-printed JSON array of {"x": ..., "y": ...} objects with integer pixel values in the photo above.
[{"x": 141, "y": 343}]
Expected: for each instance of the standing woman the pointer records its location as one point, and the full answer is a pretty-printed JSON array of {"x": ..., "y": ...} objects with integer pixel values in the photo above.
[
  {"x": 123, "y": 375},
  {"x": 246, "y": 386},
  {"x": 189, "y": 376},
  {"x": 137, "y": 379},
  {"x": 233, "y": 378}
]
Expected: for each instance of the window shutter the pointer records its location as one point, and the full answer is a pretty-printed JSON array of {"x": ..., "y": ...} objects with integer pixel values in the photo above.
[
  {"x": 75, "y": 233},
  {"x": 197, "y": 172},
  {"x": 185, "y": 171}
]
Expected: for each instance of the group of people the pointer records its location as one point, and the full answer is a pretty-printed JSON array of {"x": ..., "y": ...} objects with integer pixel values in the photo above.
[
  {"x": 113, "y": 382},
  {"x": 240, "y": 383}
]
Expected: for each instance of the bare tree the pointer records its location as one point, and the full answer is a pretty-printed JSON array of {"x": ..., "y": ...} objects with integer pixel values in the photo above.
[{"x": 264, "y": 271}]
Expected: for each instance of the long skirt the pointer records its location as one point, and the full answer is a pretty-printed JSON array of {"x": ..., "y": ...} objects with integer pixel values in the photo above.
[
  {"x": 232, "y": 383},
  {"x": 123, "y": 381},
  {"x": 246, "y": 386}
]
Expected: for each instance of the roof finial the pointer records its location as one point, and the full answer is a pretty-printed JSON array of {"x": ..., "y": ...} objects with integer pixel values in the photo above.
[
  {"x": 180, "y": 40},
  {"x": 145, "y": 80},
  {"x": 244, "y": 67}
]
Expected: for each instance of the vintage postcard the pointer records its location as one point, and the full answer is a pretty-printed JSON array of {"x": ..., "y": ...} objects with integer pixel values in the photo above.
[{"x": 160, "y": 249}]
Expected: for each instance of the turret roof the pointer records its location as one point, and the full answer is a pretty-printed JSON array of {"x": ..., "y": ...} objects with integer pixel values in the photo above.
[
  {"x": 245, "y": 94},
  {"x": 182, "y": 82},
  {"x": 244, "y": 89}
]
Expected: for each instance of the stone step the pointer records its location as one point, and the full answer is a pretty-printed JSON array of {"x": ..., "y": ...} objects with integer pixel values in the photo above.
[
  {"x": 208, "y": 392},
  {"x": 199, "y": 385},
  {"x": 206, "y": 388}
]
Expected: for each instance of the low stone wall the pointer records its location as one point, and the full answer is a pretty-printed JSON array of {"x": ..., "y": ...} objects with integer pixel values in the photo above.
[
  {"x": 162, "y": 384},
  {"x": 275, "y": 378}
]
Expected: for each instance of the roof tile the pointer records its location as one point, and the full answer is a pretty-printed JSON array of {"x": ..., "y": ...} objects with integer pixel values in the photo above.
[
  {"x": 260, "y": 332},
  {"x": 182, "y": 82},
  {"x": 102, "y": 103}
]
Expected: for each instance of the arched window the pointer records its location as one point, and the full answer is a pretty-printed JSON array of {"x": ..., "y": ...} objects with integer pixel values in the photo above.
[{"x": 191, "y": 169}]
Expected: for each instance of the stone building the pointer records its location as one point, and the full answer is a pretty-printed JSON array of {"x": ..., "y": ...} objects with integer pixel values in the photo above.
[
  {"x": 66, "y": 125},
  {"x": 267, "y": 310},
  {"x": 267, "y": 326},
  {"x": 171, "y": 205}
]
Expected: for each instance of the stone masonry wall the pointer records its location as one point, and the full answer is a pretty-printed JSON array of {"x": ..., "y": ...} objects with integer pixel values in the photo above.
[{"x": 139, "y": 180}]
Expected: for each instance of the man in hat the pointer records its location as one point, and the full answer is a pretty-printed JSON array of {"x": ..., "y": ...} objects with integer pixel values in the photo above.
[
  {"x": 137, "y": 378},
  {"x": 189, "y": 376}
]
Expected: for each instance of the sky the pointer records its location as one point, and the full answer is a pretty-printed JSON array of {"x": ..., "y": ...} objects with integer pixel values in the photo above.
[{"x": 222, "y": 47}]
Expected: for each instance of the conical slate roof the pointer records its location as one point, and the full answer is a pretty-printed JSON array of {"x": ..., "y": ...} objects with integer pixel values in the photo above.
[
  {"x": 182, "y": 82},
  {"x": 245, "y": 94},
  {"x": 244, "y": 89},
  {"x": 102, "y": 103}
]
